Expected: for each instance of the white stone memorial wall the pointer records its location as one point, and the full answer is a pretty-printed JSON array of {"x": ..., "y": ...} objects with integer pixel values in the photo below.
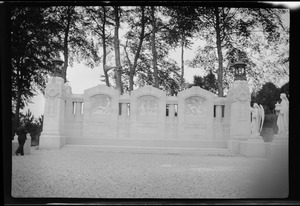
[
  {"x": 147, "y": 117},
  {"x": 147, "y": 113}
]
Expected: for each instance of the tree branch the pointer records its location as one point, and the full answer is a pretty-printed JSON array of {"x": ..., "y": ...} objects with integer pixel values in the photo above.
[
  {"x": 127, "y": 56},
  {"x": 141, "y": 40}
]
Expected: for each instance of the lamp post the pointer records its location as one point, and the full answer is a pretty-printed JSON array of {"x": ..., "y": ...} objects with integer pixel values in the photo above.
[
  {"x": 57, "y": 66},
  {"x": 107, "y": 68},
  {"x": 239, "y": 70}
]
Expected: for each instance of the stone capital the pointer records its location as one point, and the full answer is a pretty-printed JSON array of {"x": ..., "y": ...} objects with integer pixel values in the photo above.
[
  {"x": 239, "y": 92},
  {"x": 55, "y": 87}
]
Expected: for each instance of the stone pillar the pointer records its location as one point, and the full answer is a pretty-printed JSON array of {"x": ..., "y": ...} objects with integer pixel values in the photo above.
[
  {"x": 171, "y": 110},
  {"x": 124, "y": 109},
  {"x": 69, "y": 110},
  {"x": 53, "y": 135},
  {"x": 218, "y": 126},
  {"x": 219, "y": 112},
  {"x": 78, "y": 114},
  {"x": 279, "y": 147},
  {"x": 239, "y": 98}
]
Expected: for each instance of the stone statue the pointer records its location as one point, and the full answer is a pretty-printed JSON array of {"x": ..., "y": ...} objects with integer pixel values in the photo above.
[
  {"x": 258, "y": 115},
  {"x": 282, "y": 110}
]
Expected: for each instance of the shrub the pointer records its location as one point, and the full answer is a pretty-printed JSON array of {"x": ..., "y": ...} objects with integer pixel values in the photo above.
[{"x": 270, "y": 127}]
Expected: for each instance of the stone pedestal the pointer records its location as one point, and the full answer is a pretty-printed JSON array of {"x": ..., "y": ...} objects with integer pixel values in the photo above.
[
  {"x": 234, "y": 145},
  {"x": 239, "y": 101},
  {"x": 53, "y": 136},
  {"x": 280, "y": 138},
  {"x": 279, "y": 147},
  {"x": 253, "y": 147}
]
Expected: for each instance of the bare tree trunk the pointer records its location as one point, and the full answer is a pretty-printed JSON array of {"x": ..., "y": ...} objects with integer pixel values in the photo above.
[
  {"x": 18, "y": 102},
  {"x": 137, "y": 54},
  {"x": 155, "y": 70},
  {"x": 104, "y": 47},
  {"x": 117, "y": 51},
  {"x": 182, "y": 61},
  {"x": 66, "y": 39},
  {"x": 131, "y": 75},
  {"x": 220, "y": 56},
  {"x": 17, "y": 112}
]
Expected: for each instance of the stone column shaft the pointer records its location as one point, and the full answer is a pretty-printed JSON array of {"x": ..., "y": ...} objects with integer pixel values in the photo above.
[{"x": 171, "y": 110}]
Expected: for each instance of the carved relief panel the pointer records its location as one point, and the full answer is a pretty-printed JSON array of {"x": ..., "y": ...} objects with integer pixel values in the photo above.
[
  {"x": 147, "y": 106},
  {"x": 195, "y": 106},
  {"x": 239, "y": 92},
  {"x": 51, "y": 92},
  {"x": 243, "y": 94},
  {"x": 100, "y": 104}
]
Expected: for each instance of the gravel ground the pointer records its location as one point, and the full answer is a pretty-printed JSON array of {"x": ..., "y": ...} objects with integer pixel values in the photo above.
[{"x": 95, "y": 174}]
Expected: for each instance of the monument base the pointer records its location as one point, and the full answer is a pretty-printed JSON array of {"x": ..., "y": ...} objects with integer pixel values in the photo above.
[
  {"x": 234, "y": 146},
  {"x": 52, "y": 141},
  {"x": 233, "y": 143},
  {"x": 153, "y": 143},
  {"x": 279, "y": 147},
  {"x": 280, "y": 138},
  {"x": 253, "y": 147}
]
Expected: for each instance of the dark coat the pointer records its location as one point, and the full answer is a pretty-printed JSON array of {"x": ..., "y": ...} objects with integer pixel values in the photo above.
[{"x": 21, "y": 132}]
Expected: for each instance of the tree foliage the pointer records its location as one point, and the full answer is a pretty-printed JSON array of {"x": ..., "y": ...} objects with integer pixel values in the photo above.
[
  {"x": 73, "y": 36},
  {"x": 135, "y": 37},
  {"x": 208, "y": 82},
  {"x": 32, "y": 125},
  {"x": 268, "y": 96},
  {"x": 258, "y": 36},
  {"x": 182, "y": 25},
  {"x": 285, "y": 89},
  {"x": 31, "y": 53},
  {"x": 99, "y": 20},
  {"x": 168, "y": 73},
  {"x": 247, "y": 30}
]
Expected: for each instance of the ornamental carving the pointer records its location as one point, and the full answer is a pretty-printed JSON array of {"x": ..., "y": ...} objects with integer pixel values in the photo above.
[
  {"x": 147, "y": 105},
  {"x": 243, "y": 94},
  {"x": 101, "y": 104},
  {"x": 239, "y": 92},
  {"x": 53, "y": 88},
  {"x": 52, "y": 91},
  {"x": 195, "y": 106}
]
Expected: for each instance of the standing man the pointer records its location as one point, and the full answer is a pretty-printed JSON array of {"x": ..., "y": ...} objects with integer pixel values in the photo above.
[{"x": 21, "y": 132}]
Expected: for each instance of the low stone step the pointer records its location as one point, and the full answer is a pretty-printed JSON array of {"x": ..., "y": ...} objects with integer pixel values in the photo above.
[
  {"x": 150, "y": 150},
  {"x": 142, "y": 142}
]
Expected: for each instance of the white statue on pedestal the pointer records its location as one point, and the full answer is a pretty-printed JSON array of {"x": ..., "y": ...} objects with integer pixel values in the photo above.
[
  {"x": 282, "y": 110},
  {"x": 257, "y": 120}
]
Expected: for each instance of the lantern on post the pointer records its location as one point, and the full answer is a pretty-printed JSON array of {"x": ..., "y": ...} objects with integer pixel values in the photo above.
[
  {"x": 57, "y": 62},
  {"x": 239, "y": 70},
  {"x": 107, "y": 68}
]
